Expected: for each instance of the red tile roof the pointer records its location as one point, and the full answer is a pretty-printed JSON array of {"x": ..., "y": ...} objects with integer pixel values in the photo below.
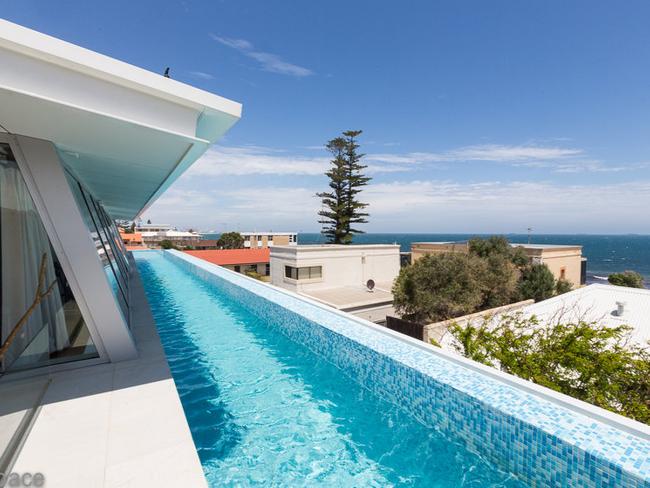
[{"x": 234, "y": 256}]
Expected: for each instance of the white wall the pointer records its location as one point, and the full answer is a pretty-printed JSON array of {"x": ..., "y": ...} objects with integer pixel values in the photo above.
[{"x": 351, "y": 265}]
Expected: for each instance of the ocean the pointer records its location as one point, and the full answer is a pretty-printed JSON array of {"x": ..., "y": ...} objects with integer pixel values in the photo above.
[{"x": 605, "y": 254}]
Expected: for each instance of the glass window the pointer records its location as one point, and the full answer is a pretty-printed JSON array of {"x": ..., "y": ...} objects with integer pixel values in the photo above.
[
  {"x": 304, "y": 273},
  {"x": 41, "y": 321},
  {"x": 102, "y": 230}
]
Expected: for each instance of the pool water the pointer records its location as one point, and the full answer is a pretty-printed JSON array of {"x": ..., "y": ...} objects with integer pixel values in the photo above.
[{"x": 265, "y": 410}]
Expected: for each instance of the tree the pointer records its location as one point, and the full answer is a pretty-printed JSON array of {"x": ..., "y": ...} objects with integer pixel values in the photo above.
[
  {"x": 440, "y": 286},
  {"x": 626, "y": 278},
  {"x": 498, "y": 245},
  {"x": 356, "y": 180},
  {"x": 537, "y": 282},
  {"x": 334, "y": 217},
  {"x": 167, "y": 244},
  {"x": 562, "y": 286},
  {"x": 343, "y": 209},
  {"x": 501, "y": 278},
  {"x": 585, "y": 360},
  {"x": 230, "y": 240},
  {"x": 499, "y": 282}
]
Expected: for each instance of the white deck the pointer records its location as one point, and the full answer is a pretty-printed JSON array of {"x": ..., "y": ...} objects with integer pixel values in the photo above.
[
  {"x": 346, "y": 297},
  {"x": 115, "y": 425}
]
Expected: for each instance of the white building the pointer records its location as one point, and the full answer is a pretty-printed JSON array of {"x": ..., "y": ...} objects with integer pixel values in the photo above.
[
  {"x": 85, "y": 140},
  {"x": 177, "y": 237},
  {"x": 337, "y": 275},
  {"x": 606, "y": 304},
  {"x": 153, "y": 227}
]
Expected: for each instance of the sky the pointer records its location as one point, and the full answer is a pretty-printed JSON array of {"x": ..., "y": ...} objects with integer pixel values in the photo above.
[{"x": 476, "y": 116}]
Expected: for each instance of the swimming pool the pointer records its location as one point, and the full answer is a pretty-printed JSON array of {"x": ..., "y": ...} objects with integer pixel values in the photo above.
[{"x": 274, "y": 399}]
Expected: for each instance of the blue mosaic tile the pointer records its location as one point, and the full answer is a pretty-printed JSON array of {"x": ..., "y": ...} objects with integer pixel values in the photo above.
[{"x": 540, "y": 441}]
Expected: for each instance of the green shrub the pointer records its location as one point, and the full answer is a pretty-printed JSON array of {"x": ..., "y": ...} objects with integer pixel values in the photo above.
[
  {"x": 587, "y": 361},
  {"x": 626, "y": 278}
]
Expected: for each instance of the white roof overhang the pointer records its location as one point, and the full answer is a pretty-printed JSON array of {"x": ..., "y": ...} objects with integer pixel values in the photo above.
[{"x": 125, "y": 132}]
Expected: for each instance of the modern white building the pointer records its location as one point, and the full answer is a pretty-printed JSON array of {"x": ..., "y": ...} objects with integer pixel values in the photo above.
[
  {"x": 608, "y": 305},
  {"x": 338, "y": 275},
  {"x": 84, "y": 140}
]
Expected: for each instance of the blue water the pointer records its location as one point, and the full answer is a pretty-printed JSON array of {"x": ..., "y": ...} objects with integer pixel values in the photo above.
[{"x": 264, "y": 410}]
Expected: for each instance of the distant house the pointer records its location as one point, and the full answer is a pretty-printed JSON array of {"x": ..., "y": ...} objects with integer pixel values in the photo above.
[
  {"x": 178, "y": 238},
  {"x": 267, "y": 239},
  {"x": 338, "y": 275},
  {"x": 153, "y": 227},
  {"x": 239, "y": 260},
  {"x": 564, "y": 261}
]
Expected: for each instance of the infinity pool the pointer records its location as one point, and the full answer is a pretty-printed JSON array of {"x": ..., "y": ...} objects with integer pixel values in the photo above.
[{"x": 265, "y": 410}]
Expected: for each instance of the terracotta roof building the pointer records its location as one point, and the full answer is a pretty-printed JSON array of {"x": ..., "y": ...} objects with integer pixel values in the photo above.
[{"x": 239, "y": 260}]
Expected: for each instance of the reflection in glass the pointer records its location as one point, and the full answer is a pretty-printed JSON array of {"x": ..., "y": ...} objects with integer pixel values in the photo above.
[
  {"x": 41, "y": 322},
  {"x": 107, "y": 242}
]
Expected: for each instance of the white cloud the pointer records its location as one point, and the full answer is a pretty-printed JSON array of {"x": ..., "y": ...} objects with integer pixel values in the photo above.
[
  {"x": 202, "y": 74},
  {"x": 488, "y": 152},
  {"x": 493, "y": 152},
  {"x": 255, "y": 160},
  {"x": 424, "y": 206},
  {"x": 268, "y": 61}
]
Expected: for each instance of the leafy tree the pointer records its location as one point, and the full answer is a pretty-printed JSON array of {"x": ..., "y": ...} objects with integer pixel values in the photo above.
[
  {"x": 499, "y": 281},
  {"x": 440, "y": 286},
  {"x": 230, "y": 240},
  {"x": 537, "y": 282},
  {"x": 626, "y": 278},
  {"x": 167, "y": 244},
  {"x": 519, "y": 257},
  {"x": 498, "y": 245},
  {"x": 343, "y": 209},
  {"x": 585, "y": 360},
  {"x": 489, "y": 247},
  {"x": 562, "y": 286}
]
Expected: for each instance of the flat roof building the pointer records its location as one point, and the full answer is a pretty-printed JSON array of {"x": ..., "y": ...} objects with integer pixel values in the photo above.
[
  {"x": 608, "y": 305},
  {"x": 337, "y": 275}
]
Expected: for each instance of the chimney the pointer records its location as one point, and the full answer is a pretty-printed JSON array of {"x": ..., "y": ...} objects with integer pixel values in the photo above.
[{"x": 620, "y": 308}]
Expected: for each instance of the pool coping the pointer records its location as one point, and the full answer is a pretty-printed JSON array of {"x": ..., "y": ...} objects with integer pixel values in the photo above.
[{"x": 619, "y": 442}]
